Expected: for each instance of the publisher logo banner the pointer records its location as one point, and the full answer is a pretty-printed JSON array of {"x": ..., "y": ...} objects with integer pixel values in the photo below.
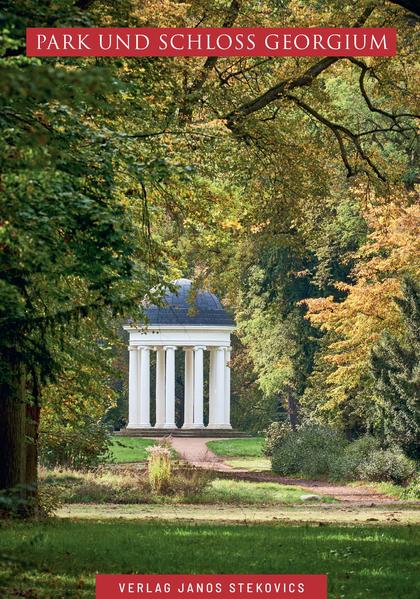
[
  {"x": 255, "y": 41},
  {"x": 214, "y": 586}
]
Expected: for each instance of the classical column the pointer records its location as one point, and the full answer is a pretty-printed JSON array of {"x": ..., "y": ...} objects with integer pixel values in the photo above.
[
  {"x": 198, "y": 387},
  {"x": 160, "y": 387},
  {"x": 219, "y": 402},
  {"x": 170, "y": 387},
  {"x": 144, "y": 411},
  {"x": 133, "y": 388},
  {"x": 227, "y": 388},
  {"x": 212, "y": 387},
  {"x": 189, "y": 388}
]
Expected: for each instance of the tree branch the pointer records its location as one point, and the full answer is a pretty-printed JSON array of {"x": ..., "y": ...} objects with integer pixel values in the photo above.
[
  {"x": 285, "y": 86},
  {"x": 338, "y": 131},
  {"x": 197, "y": 85},
  {"x": 393, "y": 117},
  {"x": 411, "y": 5}
]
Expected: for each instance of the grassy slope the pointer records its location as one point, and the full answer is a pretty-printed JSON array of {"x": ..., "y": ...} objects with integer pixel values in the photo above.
[
  {"x": 132, "y": 488},
  {"x": 129, "y": 449},
  {"x": 60, "y": 558},
  {"x": 238, "y": 448}
]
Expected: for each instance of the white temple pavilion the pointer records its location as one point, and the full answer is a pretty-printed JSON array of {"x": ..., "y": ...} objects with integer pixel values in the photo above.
[{"x": 192, "y": 324}]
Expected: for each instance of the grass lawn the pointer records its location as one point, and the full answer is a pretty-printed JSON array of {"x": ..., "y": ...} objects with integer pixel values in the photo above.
[
  {"x": 59, "y": 558},
  {"x": 248, "y": 493},
  {"x": 238, "y": 448},
  {"x": 129, "y": 449},
  {"x": 250, "y": 464}
]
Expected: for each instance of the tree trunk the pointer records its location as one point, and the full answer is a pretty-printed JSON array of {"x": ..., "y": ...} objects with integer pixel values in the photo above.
[
  {"x": 13, "y": 425},
  {"x": 31, "y": 466}
]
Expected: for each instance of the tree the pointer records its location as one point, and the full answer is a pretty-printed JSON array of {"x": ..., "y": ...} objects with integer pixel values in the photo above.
[
  {"x": 354, "y": 324},
  {"x": 70, "y": 248},
  {"x": 395, "y": 364},
  {"x": 73, "y": 428}
]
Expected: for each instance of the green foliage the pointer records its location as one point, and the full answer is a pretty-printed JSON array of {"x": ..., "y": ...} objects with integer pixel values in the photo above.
[
  {"x": 395, "y": 365},
  {"x": 309, "y": 451},
  {"x": 412, "y": 491},
  {"x": 21, "y": 502},
  {"x": 80, "y": 448},
  {"x": 73, "y": 431},
  {"x": 387, "y": 465},
  {"x": 274, "y": 436},
  {"x": 16, "y": 502},
  {"x": 314, "y": 450},
  {"x": 49, "y": 501},
  {"x": 73, "y": 248}
]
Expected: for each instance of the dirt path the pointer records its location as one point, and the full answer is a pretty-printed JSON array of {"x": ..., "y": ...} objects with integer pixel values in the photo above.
[
  {"x": 195, "y": 451},
  {"x": 309, "y": 514}
]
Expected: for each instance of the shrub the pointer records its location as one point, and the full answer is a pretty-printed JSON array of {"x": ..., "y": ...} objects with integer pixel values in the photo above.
[
  {"x": 309, "y": 451},
  {"x": 21, "y": 501},
  {"x": 346, "y": 466},
  {"x": 16, "y": 502},
  {"x": 84, "y": 449},
  {"x": 388, "y": 465},
  {"x": 159, "y": 467},
  {"x": 274, "y": 435},
  {"x": 49, "y": 500}
]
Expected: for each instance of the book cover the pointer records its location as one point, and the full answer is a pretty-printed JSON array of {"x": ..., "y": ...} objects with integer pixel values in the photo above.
[{"x": 209, "y": 299}]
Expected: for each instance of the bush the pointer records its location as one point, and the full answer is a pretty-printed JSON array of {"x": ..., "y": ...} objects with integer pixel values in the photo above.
[
  {"x": 315, "y": 450},
  {"x": 346, "y": 466},
  {"x": 309, "y": 451},
  {"x": 413, "y": 489},
  {"x": 16, "y": 502},
  {"x": 84, "y": 449},
  {"x": 22, "y": 501},
  {"x": 387, "y": 465},
  {"x": 48, "y": 501},
  {"x": 274, "y": 435}
]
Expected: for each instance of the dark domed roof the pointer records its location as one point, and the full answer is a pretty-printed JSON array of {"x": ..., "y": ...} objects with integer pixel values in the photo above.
[{"x": 179, "y": 308}]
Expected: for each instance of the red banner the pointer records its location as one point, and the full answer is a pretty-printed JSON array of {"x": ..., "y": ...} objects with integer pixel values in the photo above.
[
  {"x": 213, "y": 586},
  {"x": 259, "y": 41}
]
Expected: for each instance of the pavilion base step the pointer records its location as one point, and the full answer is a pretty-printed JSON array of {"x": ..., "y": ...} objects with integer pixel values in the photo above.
[{"x": 179, "y": 432}]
